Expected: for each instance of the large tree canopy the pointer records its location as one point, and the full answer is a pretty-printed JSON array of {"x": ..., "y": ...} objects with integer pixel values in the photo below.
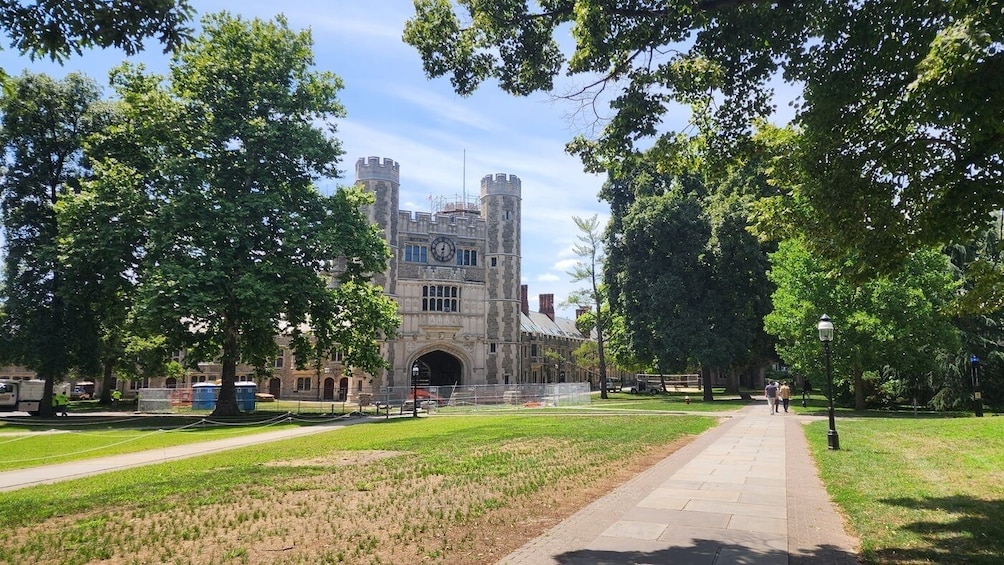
[
  {"x": 58, "y": 28},
  {"x": 899, "y": 121},
  {"x": 897, "y": 324},
  {"x": 227, "y": 151},
  {"x": 43, "y": 127}
]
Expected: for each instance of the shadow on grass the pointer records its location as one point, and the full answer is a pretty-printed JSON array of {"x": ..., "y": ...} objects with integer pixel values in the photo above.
[
  {"x": 972, "y": 532},
  {"x": 705, "y": 551}
]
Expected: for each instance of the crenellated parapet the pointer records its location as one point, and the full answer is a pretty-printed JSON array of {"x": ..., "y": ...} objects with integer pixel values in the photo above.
[
  {"x": 375, "y": 168},
  {"x": 501, "y": 183},
  {"x": 424, "y": 222}
]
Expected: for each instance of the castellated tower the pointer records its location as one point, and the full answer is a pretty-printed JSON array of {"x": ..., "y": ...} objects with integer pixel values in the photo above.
[
  {"x": 383, "y": 180},
  {"x": 500, "y": 207}
]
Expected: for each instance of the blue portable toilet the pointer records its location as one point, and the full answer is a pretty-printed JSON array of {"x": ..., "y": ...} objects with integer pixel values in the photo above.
[
  {"x": 204, "y": 396},
  {"x": 245, "y": 395}
]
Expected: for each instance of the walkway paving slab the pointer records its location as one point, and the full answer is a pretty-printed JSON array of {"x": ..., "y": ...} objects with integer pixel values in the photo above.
[{"x": 744, "y": 492}]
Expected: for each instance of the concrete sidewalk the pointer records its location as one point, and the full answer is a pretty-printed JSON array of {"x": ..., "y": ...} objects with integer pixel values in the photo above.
[
  {"x": 20, "y": 478},
  {"x": 745, "y": 492}
]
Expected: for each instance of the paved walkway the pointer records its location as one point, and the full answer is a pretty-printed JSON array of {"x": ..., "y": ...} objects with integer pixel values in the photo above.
[{"x": 745, "y": 492}]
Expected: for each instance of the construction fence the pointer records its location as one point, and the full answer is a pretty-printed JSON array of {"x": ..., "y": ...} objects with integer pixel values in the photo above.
[{"x": 388, "y": 399}]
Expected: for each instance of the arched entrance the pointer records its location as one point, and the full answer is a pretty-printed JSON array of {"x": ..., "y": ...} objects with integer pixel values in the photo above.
[
  {"x": 329, "y": 389},
  {"x": 343, "y": 389},
  {"x": 439, "y": 368},
  {"x": 275, "y": 386}
]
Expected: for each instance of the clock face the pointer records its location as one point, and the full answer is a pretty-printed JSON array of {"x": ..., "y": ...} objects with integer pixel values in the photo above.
[{"x": 443, "y": 249}]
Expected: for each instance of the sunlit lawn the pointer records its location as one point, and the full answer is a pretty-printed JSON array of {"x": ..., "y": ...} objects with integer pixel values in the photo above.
[
  {"x": 919, "y": 490},
  {"x": 46, "y": 442},
  {"x": 59, "y": 440},
  {"x": 457, "y": 490}
]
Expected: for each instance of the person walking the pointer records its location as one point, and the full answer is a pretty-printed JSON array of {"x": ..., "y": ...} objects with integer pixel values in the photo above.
[
  {"x": 116, "y": 397},
  {"x": 784, "y": 393},
  {"x": 770, "y": 391},
  {"x": 62, "y": 402}
]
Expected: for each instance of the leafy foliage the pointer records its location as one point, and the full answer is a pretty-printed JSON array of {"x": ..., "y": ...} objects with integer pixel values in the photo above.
[
  {"x": 894, "y": 325},
  {"x": 590, "y": 269},
  {"x": 58, "y": 28},
  {"x": 234, "y": 233},
  {"x": 899, "y": 137},
  {"x": 44, "y": 124}
]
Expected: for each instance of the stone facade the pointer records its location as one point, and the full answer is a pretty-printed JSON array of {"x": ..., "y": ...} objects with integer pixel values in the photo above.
[{"x": 465, "y": 320}]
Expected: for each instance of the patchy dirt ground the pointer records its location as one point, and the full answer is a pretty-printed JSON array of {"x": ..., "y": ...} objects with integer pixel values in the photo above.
[{"x": 356, "y": 507}]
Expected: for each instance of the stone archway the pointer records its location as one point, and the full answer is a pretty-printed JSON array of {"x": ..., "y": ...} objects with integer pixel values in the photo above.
[
  {"x": 439, "y": 368},
  {"x": 329, "y": 389}
]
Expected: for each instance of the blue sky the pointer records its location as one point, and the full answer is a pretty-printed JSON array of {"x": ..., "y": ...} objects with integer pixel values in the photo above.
[{"x": 394, "y": 111}]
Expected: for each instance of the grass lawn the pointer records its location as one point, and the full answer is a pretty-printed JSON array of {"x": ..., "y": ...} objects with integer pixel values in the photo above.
[
  {"x": 30, "y": 442},
  {"x": 673, "y": 401},
  {"x": 919, "y": 490},
  {"x": 46, "y": 442},
  {"x": 435, "y": 490}
]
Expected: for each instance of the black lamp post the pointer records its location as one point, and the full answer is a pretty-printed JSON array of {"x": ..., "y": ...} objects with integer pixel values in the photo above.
[
  {"x": 414, "y": 390},
  {"x": 825, "y": 328},
  {"x": 977, "y": 393}
]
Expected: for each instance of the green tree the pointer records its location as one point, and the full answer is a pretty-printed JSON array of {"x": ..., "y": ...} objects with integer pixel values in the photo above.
[
  {"x": 44, "y": 124},
  {"x": 58, "y": 28},
  {"x": 739, "y": 296},
  {"x": 590, "y": 269},
  {"x": 898, "y": 323},
  {"x": 239, "y": 235},
  {"x": 979, "y": 315},
  {"x": 658, "y": 279},
  {"x": 900, "y": 135},
  {"x": 102, "y": 234}
]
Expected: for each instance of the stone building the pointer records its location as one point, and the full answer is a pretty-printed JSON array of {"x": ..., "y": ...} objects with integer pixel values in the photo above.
[
  {"x": 465, "y": 317},
  {"x": 455, "y": 274}
]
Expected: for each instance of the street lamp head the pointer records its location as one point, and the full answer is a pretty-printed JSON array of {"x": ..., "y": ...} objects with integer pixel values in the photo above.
[
  {"x": 414, "y": 370},
  {"x": 825, "y": 327}
]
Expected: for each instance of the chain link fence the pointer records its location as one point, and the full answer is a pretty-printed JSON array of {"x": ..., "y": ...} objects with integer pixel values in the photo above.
[{"x": 388, "y": 400}]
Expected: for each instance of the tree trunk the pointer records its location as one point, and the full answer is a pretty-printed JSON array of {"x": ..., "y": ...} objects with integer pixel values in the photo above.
[
  {"x": 732, "y": 382},
  {"x": 106, "y": 383},
  {"x": 226, "y": 404},
  {"x": 45, "y": 409},
  {"x": 706, "y": 382},
  {"x": 602, "y": 358},
  {"x": 859, "y": 390}
]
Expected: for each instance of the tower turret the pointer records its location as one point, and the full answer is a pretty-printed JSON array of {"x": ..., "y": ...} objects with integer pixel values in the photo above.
[
  {"x": 382, "y": 178},
  {"x": 501, "y": 208}
]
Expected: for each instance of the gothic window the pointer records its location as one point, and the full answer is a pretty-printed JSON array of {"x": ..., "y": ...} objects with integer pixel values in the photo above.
[
  {"x": 303, "y": 384},
  {"x": 440, "y": 298},
  {"x": 467, "y": 257},
  {"x": 416, "y": 253},
  {"x": 279, "y": 360}
]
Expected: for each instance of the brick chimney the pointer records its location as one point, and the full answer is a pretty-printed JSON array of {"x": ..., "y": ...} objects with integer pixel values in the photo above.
[
  {"x": 547, "y": 305},
  {"x": 524, "y": 300},
  {"x": 580, "y": 311}
]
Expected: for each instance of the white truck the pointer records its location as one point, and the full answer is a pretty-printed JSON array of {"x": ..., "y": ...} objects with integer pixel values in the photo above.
[{"x": 22, "y": 396}]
